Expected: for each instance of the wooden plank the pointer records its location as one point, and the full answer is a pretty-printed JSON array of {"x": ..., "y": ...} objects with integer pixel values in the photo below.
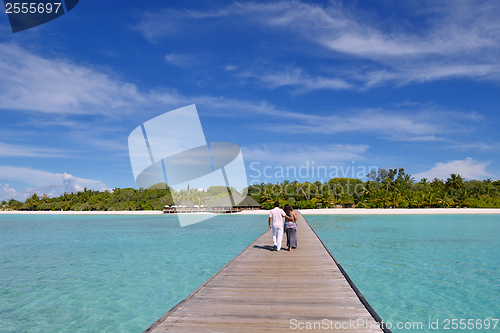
[{"x": 261, "y": 290}]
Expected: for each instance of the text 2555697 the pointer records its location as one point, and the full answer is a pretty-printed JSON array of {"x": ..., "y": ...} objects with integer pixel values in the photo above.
[{"x": 32, "y": 8}]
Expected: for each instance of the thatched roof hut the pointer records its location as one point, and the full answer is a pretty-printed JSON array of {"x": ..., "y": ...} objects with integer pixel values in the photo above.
[{"x": 234, "y": 201}]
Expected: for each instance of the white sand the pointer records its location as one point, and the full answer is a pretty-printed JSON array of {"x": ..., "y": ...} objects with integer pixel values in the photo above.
[
  {"x": 396, "y": 211},
  {"x": 137, "y": 212},
  {"x": 381, "y": 211},
  {"x": 331, "y": 211}
]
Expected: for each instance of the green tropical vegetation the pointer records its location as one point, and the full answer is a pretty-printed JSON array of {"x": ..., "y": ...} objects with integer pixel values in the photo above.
[
  {"x": 154, "y": 198},
  {"x": 391, "y": 188}
]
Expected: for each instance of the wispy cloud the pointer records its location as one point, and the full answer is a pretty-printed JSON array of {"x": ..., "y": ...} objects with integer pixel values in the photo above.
[
  {"x": 459, "y": 39},
  {"x": 33, "y": 83},
  {"x": 183, "y": 60},
  {"x": 230, "y": 67},
  {"x": 299, "y": 154},
  {"x": 61, "y": 88},
  {"x": 426, "y": 123},
  {"x": 40, "y": 182},
  {"x": 484, "y": 146},
  {"x": 302, "y": 82},
  {"x": 403, "y": 75},
  {"x": 305, "y": 161},
  {"x": 468, "y": 168},
  {"x": 14, "y": 150}
]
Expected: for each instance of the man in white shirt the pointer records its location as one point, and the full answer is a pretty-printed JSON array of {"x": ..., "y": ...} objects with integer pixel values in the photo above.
[{"x": 276, "y": 219}]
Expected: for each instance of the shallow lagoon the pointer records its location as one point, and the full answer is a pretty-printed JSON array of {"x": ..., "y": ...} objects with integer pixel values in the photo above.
[
  {"x": 412, "y": 268},
  {"x": 117, "y": 273},
  {"x": 77, "y": 273}
]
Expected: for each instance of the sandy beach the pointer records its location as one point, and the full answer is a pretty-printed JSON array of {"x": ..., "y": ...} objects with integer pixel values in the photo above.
[
  {"x": 381, "y": 211},
  {"x": 326, "y": 211},
  {"x": 136, "y": 212}
]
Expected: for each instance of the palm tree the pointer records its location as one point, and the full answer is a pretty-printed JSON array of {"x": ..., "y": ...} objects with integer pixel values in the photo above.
[
  {"x": 369, "y": 188},
  {"x": 363, "y": 203},
  {"x": 413, "y": 200},
  {"x": 395, "y": 199},
  {"x": 431, "y": 199},
  {"x": 408, "y": 179},
  {"x": 448, "y": 201},
  {"x": 191, "y": 195},
  {"x": 437, "y": 183},
  {"x": 386, "y": 184},
  {"x": 383, "y": 198},
  {"x": 455, "y": 181},
  {"x": 346, "y": 200}
]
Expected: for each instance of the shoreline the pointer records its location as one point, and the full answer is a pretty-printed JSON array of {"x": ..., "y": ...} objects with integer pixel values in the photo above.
[
  {"x": 325, "y": 211},
  {"x": 399, "y": 211},
  {"x": 385, "y": 211},
  {"x": 74, "y": 212}
]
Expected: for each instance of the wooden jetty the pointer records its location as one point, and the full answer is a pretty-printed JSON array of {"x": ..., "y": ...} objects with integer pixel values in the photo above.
[{"x": 261, "y": 290}]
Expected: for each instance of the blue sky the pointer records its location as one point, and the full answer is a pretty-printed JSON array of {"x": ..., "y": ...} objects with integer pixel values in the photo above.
[{"x": 410, "y": 84}]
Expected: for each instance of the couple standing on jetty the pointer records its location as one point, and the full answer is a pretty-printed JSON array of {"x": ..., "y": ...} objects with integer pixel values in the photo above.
[{"x": 289, "y": 224}]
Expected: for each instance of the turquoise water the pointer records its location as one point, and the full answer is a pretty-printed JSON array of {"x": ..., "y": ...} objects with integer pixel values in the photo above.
[
  {"x": 414, "y": 268},
  {"x": 120, "y": 273},
  {"x": 108, "y": 273}
]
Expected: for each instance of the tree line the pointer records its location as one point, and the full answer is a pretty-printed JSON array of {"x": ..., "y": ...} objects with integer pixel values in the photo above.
[
  {"x": 118, "y": 199},
  {"x": 391, "y": 188}
]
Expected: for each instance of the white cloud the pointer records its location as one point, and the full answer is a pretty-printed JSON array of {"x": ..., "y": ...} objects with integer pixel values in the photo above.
[
  {"x": 477, "y": 145},
  {"x": 31, "y": 82},
  {"x": 304, "y": 83},
  {"x": 427, "y": 72},
  {"x": 305, "y": 161},
  {"x": 7, "y": 192},
  {"x": 13, "y": 150},
  {"x": 57, "y": 86},
  {"x": 426, "y": 124},
  {"x": 76, "y": 89},
  {"x": 40, "y": 181},
  {"x": 299, "y": 154},
  {"x": 454, "y": 29},
  {"x": 452, "y": 39},
  {"x": 182, "y": 60},
  {"x": 468, "y": 169}
]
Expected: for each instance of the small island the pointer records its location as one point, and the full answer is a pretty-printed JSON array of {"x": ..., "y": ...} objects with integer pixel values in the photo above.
[{"x": 391, "y": 188}]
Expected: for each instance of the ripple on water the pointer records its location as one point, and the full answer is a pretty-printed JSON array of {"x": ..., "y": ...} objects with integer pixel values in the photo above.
[
  {"x": 108, "y": 273},
  {"x": 419, "y": 267}
]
